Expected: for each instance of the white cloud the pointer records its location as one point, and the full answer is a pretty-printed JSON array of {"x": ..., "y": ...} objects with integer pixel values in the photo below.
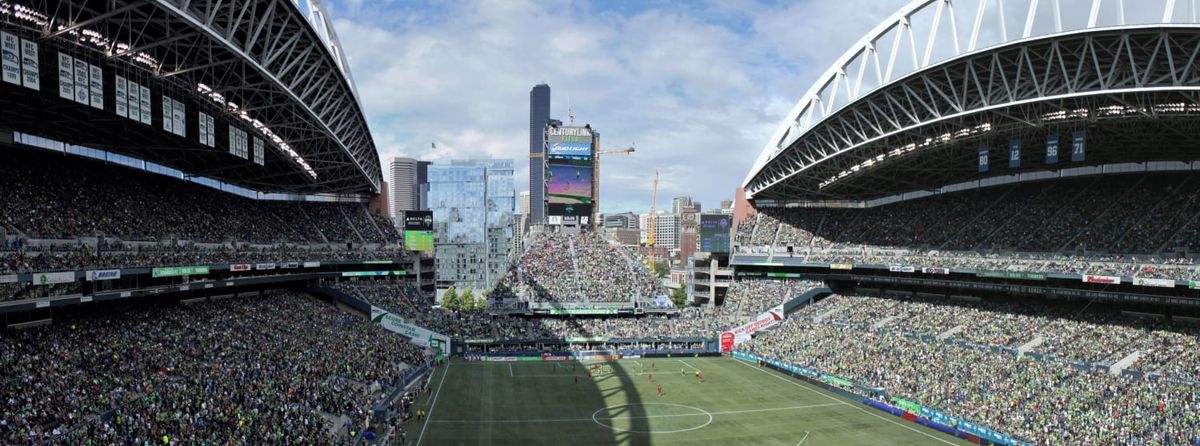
[{"x": 698, "y": 87}]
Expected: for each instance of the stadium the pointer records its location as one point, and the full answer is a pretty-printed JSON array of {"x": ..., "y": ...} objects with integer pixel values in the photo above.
[{"x": 978, "y": 226}]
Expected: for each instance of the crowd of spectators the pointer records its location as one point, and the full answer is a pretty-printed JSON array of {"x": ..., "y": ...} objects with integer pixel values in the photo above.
[
  {"x": 555, "y": 267},
  {"x": 889, "y": 343},
  {"x": 281, "y": 368},
  {"x": 1078, "y": 225},
  {"x": 754, "y": 296},
  {"x": 48, "y": 196}
]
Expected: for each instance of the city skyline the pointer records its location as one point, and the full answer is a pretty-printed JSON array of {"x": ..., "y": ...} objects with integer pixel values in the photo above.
[{"x": 460, "y": 74}]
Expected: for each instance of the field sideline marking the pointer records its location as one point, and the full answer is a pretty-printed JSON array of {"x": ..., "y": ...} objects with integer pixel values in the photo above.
[
  {"x": 802, "y": 386},
  {"x": 510, "y": 372},
  {"x": 802, "y": 439},
  {"x": 566, "y": 420},
  {"x": 433, "y": 404}
]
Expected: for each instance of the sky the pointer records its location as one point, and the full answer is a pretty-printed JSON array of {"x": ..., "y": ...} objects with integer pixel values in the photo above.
[{"x": 697, "y": 86}]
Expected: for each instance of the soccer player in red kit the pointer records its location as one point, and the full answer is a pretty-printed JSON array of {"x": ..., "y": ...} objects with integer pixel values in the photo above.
[{"x": 660, "y": 390}]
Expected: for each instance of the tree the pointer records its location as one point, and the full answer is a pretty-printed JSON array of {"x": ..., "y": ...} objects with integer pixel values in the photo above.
[
  {"x": 467, "y": 300},
  {"x": 481, "y": 304},
  {"x": 450, "y": 299},
  {"x": 660, "y": 269},
  {"x": 679, "y": 296}
]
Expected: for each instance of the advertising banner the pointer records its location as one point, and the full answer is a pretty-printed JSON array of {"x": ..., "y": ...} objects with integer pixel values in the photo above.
[
  {"x": 239, "y": 267},
  {"x": 842, "y": 266},
  {"x": 10, "y": 58},
  {"x": 8, "y": 278},
  {"x": 563, "y": 148},
  {"x": 763, "y": 321},
  {"x": 1161, "y": 283},
  {"x": 264, "y": 266},
  {"x": 1193, "y": 284},
  {"x": 173, "y": 271},
  {"x": 726, "y": 341},
  {"x": 418, "y": 335},
  {"x": 289, "y": 265},
  {"x": 103, "y": 274},
  {"x": 586, "y": 339},
  {"x": 1022, "y": 275},
  {"x": 902, "y": 268},
  {"x": 1014, "y": 153},
  {"x": 935, "y": 270},
  {"x": 714, "y": 233},
  {"x": 373, "y": 273},
  {"x": 1112, "y": 280},
  {"x": 66, "y": 76},
  {"x": 983, "y": 158},
  {"x": 1052, "y": 148},
  {"x": 30, "y": 75},
  {"x": 53, "y": 278},
  {"x": 579, "y": 311},
  {"x": 312, "y": 264}
]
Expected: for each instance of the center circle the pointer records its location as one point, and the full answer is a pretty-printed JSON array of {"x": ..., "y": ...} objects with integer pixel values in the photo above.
[{"x": 696, "y": 413}]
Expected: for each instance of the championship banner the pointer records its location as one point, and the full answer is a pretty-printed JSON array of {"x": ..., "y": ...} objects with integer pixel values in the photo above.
[
  {"x": 10, "y": 59},
  {"x": 53, "y": 278},
  {"x": 726, "y": 342},
  {"x": 96, "y": 86},
  {"x": 1112, "y": 280},
  {"x": 418, "y": 335},
  {"x": 901, "y": 268},
  {"x": 763, "y": 321},
  {"x": 935, "y": 270},
  {"x": 30, "y": 76},
  {"x": 66, "y": 76},
  {"x": 82, "y": 85},
  {"x": 1162, "y": 283},
  {"x": 133, "y": 100},
  {"x": 264, "y": 266},
  {"x": 844, "y": 266},
  {"x": 144, "y": 100},
  {"x": 122, "y": 96},
  {"x": 239, "y": 267},
  {"x": 103, "y": 274}
]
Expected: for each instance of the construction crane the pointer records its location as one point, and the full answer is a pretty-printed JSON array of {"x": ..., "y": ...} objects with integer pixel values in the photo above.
[{"x": 650, "y": 223}]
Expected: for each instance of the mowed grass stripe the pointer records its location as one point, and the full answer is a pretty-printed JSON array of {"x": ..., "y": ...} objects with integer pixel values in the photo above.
[{"x": 749, "y": 406}]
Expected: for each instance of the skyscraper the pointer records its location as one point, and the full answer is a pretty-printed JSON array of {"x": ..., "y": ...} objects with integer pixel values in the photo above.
[
  {"x": 472, "y": 203},
  {"x": 404, "y": 186},
  {"x": 539, "y": 115}
]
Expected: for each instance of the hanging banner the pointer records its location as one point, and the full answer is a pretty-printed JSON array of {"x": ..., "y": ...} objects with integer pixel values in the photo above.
[
  {"x": 96, "y": 86},
  {"x": 763, "y": 321},
  {"x": 178, "y": 118},
  {"x": 1077, "y": 146},
  {"x": 202, "y": 126},
  {"x": 935, "y": 270},
  {"x": 418, "y": 335},
  {"x": 10, "y": 58},
  {"x": 1052, "y": 148},
  {"x": 66, "y": 76},
  {"x": 1014, "y": 153},
  {"x": 135, "y": 101},
  {"x": 259, "y": 153},
  {"x": 31, "y": 77},
  {"x": 168, "y": 123},
  {"x": 901, "y": 268},
  {"x": 983, "y": 158},
  {"x": 144, "y": 100},
  {"x": 122, "y": 97},
  {"x": 83, "y": 87},
  {"x": 239, "y": 267}
]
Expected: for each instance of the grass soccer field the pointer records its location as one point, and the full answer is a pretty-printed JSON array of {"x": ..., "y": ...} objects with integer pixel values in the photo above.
[{"x": 539, "y": 403}]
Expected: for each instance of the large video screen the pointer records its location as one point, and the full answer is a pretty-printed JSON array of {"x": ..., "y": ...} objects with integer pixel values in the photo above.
[
  {"x": 569, "y": 180},
  {"x": 567, "y": 210},
  {"x": 714, "y": 232},
  {"x": 418, "y": 230}
]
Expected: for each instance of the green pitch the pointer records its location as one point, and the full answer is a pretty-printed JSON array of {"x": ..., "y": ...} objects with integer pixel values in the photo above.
[{"x": 539, "y": 403}]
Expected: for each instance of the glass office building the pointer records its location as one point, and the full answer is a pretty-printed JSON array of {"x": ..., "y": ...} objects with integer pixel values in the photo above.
[{"x": 472, "y": 203}]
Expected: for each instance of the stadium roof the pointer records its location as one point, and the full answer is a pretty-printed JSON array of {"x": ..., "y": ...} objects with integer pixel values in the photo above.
[
  {"x": 272, "y": 68},
  {"x": 910, "y": 105}
]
